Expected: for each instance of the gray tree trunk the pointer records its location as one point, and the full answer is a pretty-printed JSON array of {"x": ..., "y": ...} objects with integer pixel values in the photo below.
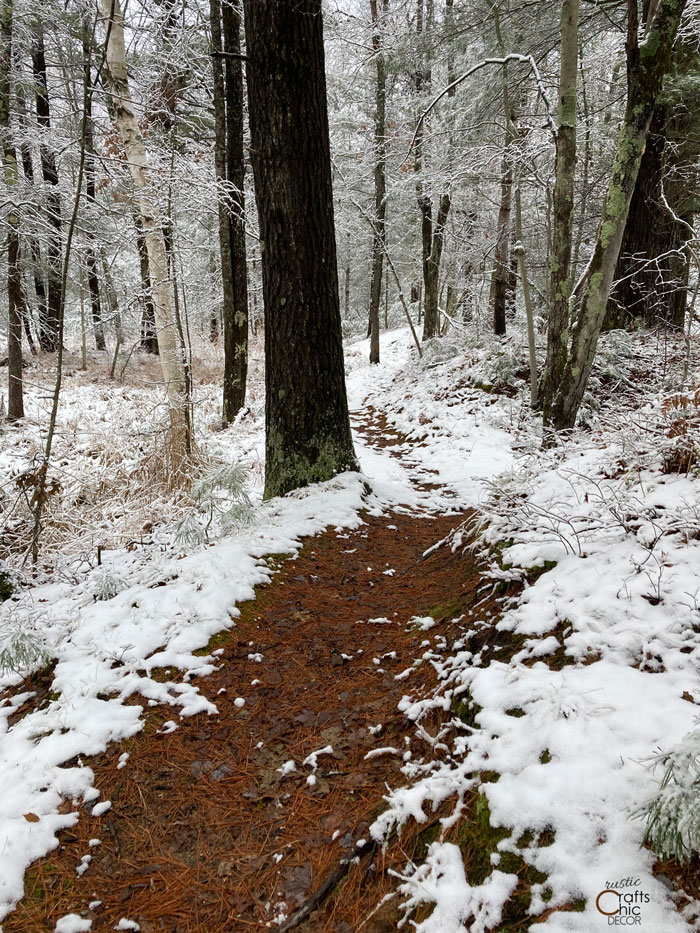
[
  {"x": 179, "y": 440},
  {"x": 563, "y": 215},
  {"x": 15, "y": 397},
  {"x": 379, "y": 229}
]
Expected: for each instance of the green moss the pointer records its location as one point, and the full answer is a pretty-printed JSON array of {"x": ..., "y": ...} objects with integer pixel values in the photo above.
[
  {"x": 534, "y": 573},
  {"x": 424, "y": 840},
  {"x": 545, "y": 757},
  {"x": 489, "y": 777},
  {"x": 448, "y": 611},
  {"x": 466, "y": 709},
  {"x": 607, "y": 232},
  {"x": 479, "y": 839},
  {"x": 650, "y": 46},
  {"x": 516, "y": 712},
  {"x": 286, "y": 470},
  {"x": 616, "y": 204}
]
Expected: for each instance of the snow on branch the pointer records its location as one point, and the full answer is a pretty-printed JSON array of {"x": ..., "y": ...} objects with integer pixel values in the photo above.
[{"x": 510, "y": 57}]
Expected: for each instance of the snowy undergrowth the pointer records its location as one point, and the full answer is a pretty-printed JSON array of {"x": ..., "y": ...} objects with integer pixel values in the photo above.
[
  {"x": 106, "y": 478},
  {"x": 606, "y": 542}
]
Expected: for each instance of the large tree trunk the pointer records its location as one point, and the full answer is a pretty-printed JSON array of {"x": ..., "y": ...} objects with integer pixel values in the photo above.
[
  {"x": 379, "y": 234},
  {"x": 230, "y": 173},
  {"x": 49, "y": 328},
  {"x": 15, "y": 399},
  {"x": 646, "y": 66},
  {"x": 179, "y": 437},
  {"x": 307, "y": 436},
  {"x": 653, "y": 267},
  {"x": 563, "y": 220}
]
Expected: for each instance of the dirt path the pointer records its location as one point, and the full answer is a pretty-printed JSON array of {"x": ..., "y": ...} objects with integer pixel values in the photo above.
[{"x": 208, "y": 830}]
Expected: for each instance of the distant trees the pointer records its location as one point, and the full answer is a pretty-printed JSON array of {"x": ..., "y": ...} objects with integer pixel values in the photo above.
[
  {"x": 306, "y": 414},
  {"x": 48, "y": 329}
]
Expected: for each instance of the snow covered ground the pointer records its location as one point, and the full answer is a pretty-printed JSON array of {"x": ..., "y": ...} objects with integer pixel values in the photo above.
[{"x": 618, "y": 603}]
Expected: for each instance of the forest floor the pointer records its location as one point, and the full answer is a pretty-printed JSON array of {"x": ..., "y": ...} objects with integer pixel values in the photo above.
[
  {"x": 432, "y": 689},
  {"x": 230, "y": 819}
]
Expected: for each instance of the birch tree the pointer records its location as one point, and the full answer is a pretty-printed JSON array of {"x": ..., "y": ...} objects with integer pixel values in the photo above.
[{"x": 179, "y": 443}]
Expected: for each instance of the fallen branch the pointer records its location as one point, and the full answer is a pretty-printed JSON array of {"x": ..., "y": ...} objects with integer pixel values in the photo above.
[{"x": 366, "y": 847}]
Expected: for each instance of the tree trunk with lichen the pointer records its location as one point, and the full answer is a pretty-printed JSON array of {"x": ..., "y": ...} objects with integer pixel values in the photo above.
[
  {"x": 307, "y": 427},
  {"x": 433, "y": 239},
  {"x": 647, "y": 64},
  {"x": 563, "y": 214},
  {"x": 179, "y": 440}
]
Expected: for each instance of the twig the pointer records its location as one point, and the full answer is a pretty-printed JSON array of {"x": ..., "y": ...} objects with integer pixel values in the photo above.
[
  {"x": 366, "y": 847},
  {"x": 511, "y": 57}
]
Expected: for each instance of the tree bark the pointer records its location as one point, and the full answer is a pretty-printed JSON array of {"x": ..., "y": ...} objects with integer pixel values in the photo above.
[
  {"x": 653, "y": 266},
  {"x": 90, "y": 253},
  {"x": 15, "y": 395},
  {"x": 563, "y": 219},
  {"x": 647, "y": 63},
  {"x": 432, "y": 233},
  {"x": 230, "y": 173},
  {"x": 502, "y": 291},
  {"x": 307, "y": 437},
  {"x": 379, "y": 234},
  {"x": 149, "y": 338},
  {"x": 49, "y": 329},
  {"x": 431, "y": 263},
  {"x": 179, "y": 435}
]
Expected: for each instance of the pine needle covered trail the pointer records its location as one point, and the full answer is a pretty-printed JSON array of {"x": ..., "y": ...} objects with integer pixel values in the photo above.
[
  {"x": 226, "y": 821},
  {"x": 233, "y": 816}
]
